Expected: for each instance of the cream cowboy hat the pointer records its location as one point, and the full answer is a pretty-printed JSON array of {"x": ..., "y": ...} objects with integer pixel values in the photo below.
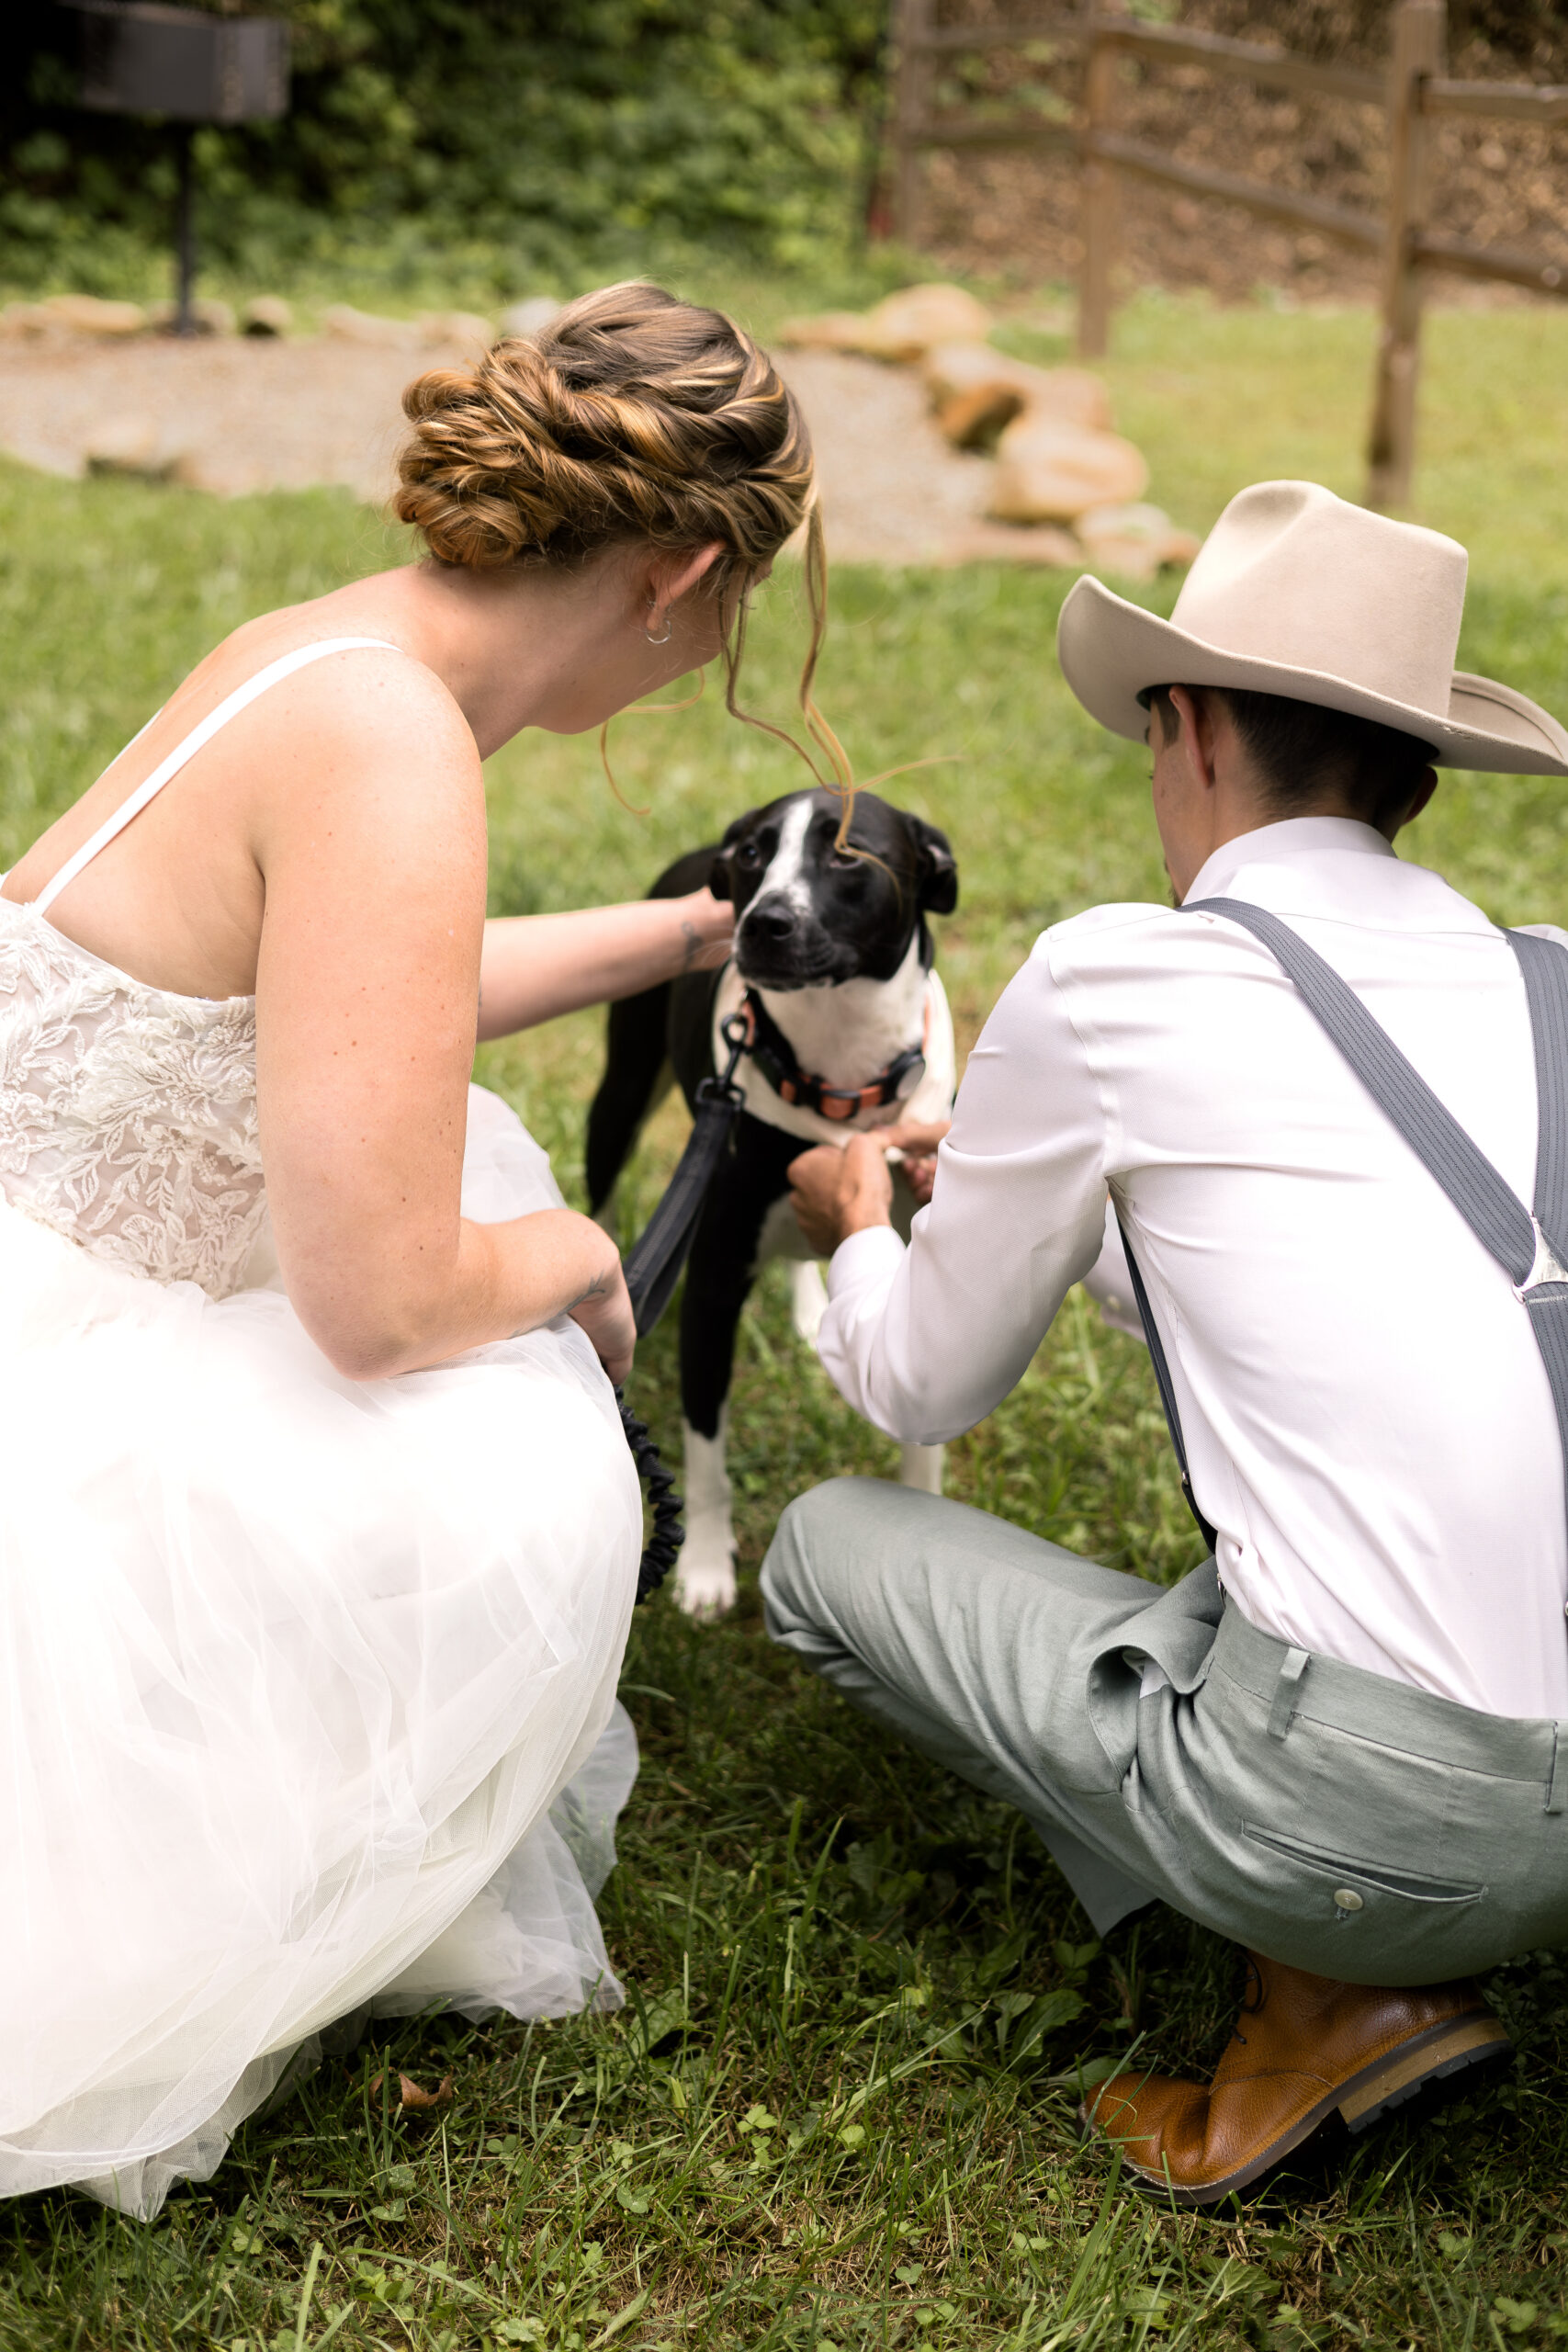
[{"x": 1295, "y": 593}]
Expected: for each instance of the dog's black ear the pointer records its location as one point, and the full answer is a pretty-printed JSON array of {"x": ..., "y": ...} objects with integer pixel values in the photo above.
[{"x": 937, "y": 868}]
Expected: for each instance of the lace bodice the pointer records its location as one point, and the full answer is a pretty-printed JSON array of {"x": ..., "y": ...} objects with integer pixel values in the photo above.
[{"x": 127, "y": 1116}]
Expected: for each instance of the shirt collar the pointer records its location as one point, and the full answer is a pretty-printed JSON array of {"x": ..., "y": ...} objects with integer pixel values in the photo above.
[{"x": 1292, "y": 837}]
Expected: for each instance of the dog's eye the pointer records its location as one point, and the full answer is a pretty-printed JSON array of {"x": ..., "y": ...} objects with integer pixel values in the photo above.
[
  {"x": 748, "y": 853},
  {"x": 844, "y": 857}
]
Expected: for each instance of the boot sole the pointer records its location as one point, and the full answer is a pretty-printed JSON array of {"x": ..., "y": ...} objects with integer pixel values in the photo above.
[{"x": 1432, "y": 2061}]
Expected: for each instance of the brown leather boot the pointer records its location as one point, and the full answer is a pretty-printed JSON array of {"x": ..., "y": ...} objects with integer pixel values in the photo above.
[{"x": 1303, "y": 2046}]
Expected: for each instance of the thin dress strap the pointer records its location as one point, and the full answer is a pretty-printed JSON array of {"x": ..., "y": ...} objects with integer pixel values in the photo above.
[{"x": 227, "y": 709}]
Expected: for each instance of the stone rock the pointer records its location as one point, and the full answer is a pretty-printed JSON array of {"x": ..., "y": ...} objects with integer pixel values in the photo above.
[
  {"x": 268, "y": 314},
  {"x": 208, "y": 316},
  {"x": 1134, "y": 541},
  {"x": 455, "y": 331},
  {"x": 1013, "y": 543},
  {"x": 825, "y": 331},
  {"x": 530, "y": 318},
  {"x": 220, "y": 474},
  {"x": 976, "y": 391},
  {"x": 129, "y": 445},
  {"x": 1049, "y": 470},
  {"x": 904, "y": 327},
  {"x": 85, "y": 314},
  {"x": 343, "y": 323}
]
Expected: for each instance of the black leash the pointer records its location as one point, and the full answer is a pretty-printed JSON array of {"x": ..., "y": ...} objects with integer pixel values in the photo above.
[
  {"x": 668, "y": 1527},
  {"x": 654, "y": 1267},
  {"x": 653, "y": 1270}
]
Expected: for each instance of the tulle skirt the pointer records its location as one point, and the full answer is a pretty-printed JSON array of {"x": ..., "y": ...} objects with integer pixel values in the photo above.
[{"x": 308, "y": 1692}]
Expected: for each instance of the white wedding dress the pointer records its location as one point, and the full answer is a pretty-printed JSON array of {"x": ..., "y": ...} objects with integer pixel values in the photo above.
[{"x": 309, "y": 1684}]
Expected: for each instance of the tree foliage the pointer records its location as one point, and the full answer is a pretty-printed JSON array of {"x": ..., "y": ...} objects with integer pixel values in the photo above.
[{"x": 568, "y": 124}]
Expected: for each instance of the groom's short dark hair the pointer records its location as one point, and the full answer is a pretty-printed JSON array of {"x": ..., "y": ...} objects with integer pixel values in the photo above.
[{"x": 1301, "y": 750}]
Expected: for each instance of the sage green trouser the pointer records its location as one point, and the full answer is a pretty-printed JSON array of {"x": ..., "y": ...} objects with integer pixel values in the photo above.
[{"x": 1328, "y": 1817}]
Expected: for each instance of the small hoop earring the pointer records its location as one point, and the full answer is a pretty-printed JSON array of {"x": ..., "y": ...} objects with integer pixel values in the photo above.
[{"x": 669, "y": 630}]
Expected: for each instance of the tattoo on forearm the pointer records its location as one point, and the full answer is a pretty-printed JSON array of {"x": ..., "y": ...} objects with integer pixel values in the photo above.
[
  {"x": 694, "y": 943},
  {"x": 598, "y": 1288}
]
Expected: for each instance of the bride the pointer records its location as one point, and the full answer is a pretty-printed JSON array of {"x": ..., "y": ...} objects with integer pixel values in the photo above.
[{"x": 318, "y": 1530}]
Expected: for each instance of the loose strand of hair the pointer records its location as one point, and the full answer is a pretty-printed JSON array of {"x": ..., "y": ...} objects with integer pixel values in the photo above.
[{"x": 643, "y": 710}]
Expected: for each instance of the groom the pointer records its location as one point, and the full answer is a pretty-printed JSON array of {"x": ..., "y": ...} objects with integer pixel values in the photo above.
[{"x": 1338, "y": 1741}]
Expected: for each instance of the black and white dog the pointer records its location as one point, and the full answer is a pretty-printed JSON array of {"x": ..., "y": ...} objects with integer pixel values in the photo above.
[{"x": 850, "y": 1028}]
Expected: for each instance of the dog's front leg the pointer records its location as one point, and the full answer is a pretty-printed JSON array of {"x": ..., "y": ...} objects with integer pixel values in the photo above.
[
  {"x": 705, "y": 1577},
  {"x": 717, "y": 1279}
]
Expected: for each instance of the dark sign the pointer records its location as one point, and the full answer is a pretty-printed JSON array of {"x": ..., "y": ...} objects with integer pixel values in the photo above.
[{"x": 142, "y": 58}]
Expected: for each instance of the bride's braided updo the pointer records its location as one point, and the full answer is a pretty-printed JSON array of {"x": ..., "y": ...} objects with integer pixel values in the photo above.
[{"x": 632, "y": 417}]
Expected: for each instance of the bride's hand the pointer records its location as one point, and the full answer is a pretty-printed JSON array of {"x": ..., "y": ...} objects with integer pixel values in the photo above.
[{"x": 604, "y": 1308}]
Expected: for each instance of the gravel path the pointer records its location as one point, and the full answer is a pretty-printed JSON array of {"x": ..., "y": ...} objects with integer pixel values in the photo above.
[{"x": 243, "y": 415}]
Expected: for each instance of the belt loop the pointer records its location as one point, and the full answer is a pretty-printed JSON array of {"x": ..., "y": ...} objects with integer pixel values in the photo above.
[
  {"x": 1555, "y": 1779},
  {"x": 1292, "y": 1666}
]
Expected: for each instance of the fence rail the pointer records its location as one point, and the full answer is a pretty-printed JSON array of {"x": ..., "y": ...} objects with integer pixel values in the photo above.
[{"x": 1412, "y": 93}]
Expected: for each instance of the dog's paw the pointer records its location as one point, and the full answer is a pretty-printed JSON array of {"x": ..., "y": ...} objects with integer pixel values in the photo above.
[
  {"x": 808, "y": 1299},
  {"x": 705, "y": 1574}
]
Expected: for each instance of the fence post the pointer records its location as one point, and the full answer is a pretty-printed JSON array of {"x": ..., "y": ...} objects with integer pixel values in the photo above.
[
  {"x": 911, "y": 90},
  {"x": 1097, "y": 205},
  {"x": 1419, "y": 44}
]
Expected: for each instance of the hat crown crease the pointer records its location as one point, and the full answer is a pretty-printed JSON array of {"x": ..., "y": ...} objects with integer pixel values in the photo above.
[{"x": 1318, "y": 585}]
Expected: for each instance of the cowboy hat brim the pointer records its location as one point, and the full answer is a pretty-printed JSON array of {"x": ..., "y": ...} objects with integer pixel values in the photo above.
[{"x": 1111, "y": 651}]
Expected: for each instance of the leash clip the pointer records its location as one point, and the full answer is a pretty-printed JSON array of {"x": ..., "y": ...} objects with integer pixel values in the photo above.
[{"x": 735, "y": 1030}]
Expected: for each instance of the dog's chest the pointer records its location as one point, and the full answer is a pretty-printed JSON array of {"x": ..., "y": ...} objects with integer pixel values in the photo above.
[{"x": 849, "y": 1035}]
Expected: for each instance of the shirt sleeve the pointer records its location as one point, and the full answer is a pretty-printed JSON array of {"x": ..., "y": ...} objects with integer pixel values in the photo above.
[{"x": 924, "y": 1341}]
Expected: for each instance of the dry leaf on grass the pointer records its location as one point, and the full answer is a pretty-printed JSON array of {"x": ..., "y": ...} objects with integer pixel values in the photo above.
[{"x": 411, "y": 2095}]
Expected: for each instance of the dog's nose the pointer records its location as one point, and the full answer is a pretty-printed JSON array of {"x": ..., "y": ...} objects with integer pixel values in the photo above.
[{"x": 770, "y": 918}]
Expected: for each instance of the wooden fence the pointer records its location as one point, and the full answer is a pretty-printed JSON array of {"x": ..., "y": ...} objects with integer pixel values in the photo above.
[{"x": 1412, "y": 91}]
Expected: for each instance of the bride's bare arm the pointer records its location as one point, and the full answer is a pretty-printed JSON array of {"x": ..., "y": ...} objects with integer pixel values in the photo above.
[
  {"x": 371, "y": 845},
  {"x": 535, "y": 967}
]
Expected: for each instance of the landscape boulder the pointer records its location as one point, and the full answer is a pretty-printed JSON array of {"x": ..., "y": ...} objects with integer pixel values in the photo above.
[
  {"x": 1049, "y": 470},
  {"x": 1136, "y": 541},
  {"x": 267, "y": 315},
  {"x": 343, "y": 323},
  {"x": 455, "y": 331},
  {"x": 129, "y": 445},
  {"x": 86, "y": 314},
  {"x": 1013, "y": 543},
  {"x": 977, "y": 390},
  {"x": 530, "y": 318},
  {"x": 902, "y": 328}
]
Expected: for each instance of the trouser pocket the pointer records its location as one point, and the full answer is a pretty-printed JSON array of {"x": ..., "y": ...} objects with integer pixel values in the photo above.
[{"x": 1352, "y": 1882}]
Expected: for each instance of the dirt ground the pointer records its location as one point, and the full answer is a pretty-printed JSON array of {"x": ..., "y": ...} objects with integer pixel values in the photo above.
[{"x": 243, "y": 415}]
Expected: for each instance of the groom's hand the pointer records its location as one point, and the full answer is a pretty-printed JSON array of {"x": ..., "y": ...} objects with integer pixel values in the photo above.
[{"x": 838, "y": 1193}]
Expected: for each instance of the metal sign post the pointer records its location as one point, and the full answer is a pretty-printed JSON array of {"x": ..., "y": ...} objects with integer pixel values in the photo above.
[{"x": 139, "y": 57}]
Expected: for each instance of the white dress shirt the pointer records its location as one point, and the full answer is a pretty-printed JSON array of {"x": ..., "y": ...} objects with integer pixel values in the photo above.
[{"x": 1367, "y": 1419}]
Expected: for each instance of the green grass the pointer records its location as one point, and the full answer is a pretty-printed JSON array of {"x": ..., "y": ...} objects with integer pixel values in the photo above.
[{"x": 839, "y": 2108}]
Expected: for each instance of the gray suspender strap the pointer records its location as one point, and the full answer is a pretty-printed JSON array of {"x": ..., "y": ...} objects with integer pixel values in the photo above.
[
  {"x": 1532, "y": 1249},
  {"x": 1162, "y": 1377}
]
